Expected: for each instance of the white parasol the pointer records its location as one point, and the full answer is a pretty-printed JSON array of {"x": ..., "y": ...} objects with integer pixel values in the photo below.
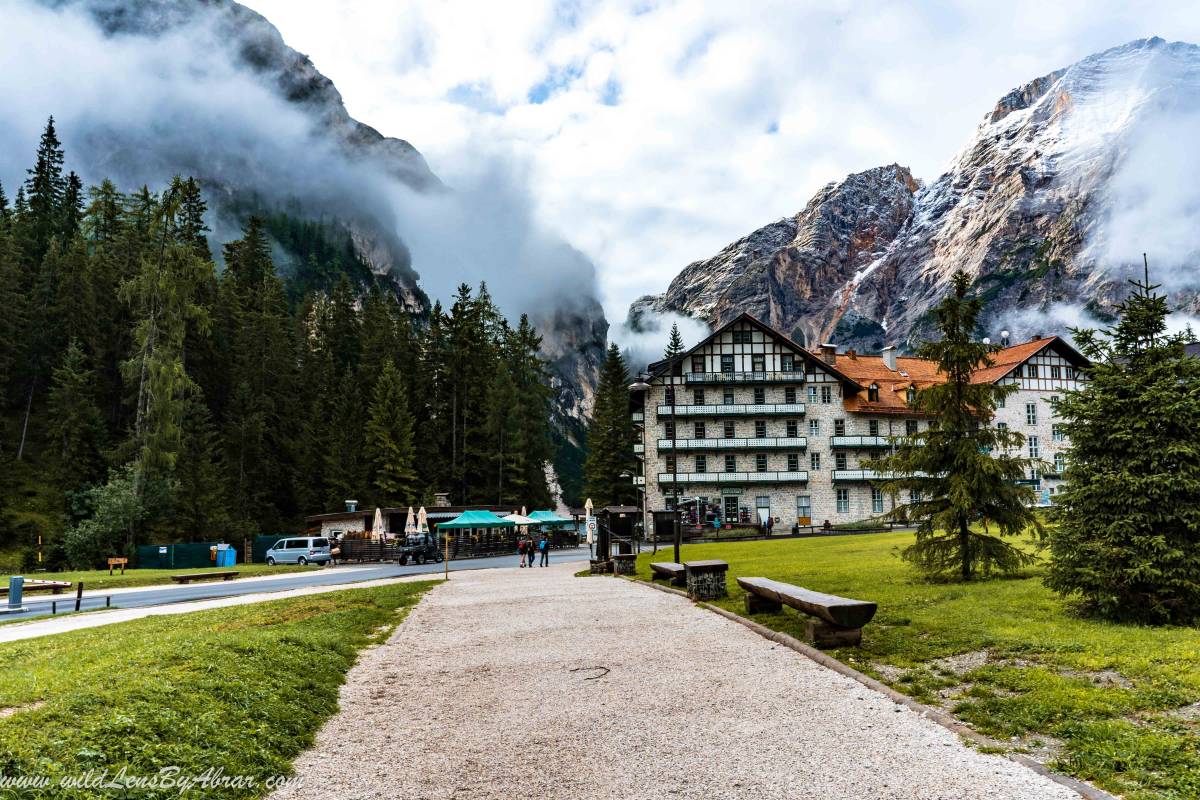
[{"x": 410, "y": 524}]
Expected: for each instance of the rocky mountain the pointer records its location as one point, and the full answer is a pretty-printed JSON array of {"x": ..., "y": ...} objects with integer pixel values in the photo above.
[
  {"x": 265, "y": 132},
  {"x": 1065, "y": 182}
]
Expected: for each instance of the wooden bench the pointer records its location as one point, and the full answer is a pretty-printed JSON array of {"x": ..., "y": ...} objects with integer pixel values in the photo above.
[
  {"x": 670, "y": 571},
  {"x": 204, "y": 576},
  {"x": 839, "y": 619},
  {"x": 34, "y": 585}
]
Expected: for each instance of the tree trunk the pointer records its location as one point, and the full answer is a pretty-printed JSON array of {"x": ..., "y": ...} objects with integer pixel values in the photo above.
[{"x": 964, "y": 542}]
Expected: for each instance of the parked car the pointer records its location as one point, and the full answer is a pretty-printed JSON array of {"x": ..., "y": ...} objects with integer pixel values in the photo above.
[
  {"x": 302, "y": 550},
  {"x": 420, "y": 548}
]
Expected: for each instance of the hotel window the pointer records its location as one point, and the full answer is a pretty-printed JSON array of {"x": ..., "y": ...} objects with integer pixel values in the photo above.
[
  {"x": 727, "y": 363},
  {"x": 913, "y": 496},
  {"x": 803, "y": 507},
  {"x": 873, "y": 427},
  {"x": 1031, "y": 370},
  {"x": 787, "y": 362},
  {"x": 1031, "y": 413},
  {"x": 698, "y": 430},
  {"x": 1055, "y": 371},
  {"x": 814, "y": 461},
  {"x": 793, "y": 462},
  {"x": 910, "y": 427},
  {"x": 843, "y": 501},
  {"x": 698, "y": 364},
  {"x": 760, "y": 429},
  {"x": 810, "y": 368},
  {"x": 1060, "y": 463},
  {"x": 876, "y": 501},
  {"x": 910, "y": 395},
  {"x": 760, "y": 462},
  {"x": 1056, "y": 433},
  {"x": 727, "y": 399},
  {"x": 793, "y": 429},
  {"x": 760, "y": 395},
  {"x": 741, "y": 337},
  {"x": 826, "y": 395},
  {"x": 814, "y": 427},
  {"x": 789, "y": 394},
  {"x": 1033, "y": 447},
  {"x": 669, "y": 430},
  {"x": 698, "y": 396},
  {"x": 839, "y": 427},
  {"x": 812, "y": 394},
  {"x": 873, "y": 393},
  {"x": 1069, "y": 373},
  {"x": 839, "y": 461},
  {"x": 701, "y": 463},
  {"x": 729, "y": 429},
  {"x": 1000, "y": 401},
  {"x": 758, "y": 363},
  {"x": 730, "y": 464},
  {"x": 670, "y": 464},
  {"x": 670, "y": 396}
]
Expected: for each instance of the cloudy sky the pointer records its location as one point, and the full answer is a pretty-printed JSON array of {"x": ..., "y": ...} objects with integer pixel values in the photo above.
[{"x": 654, "y": 133}]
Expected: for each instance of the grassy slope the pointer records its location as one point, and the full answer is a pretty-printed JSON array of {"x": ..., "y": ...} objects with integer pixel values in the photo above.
[
  {"x": 243, "y": 688},
  {"x": 1110, "y": 694},
  {"x": 95, "y": 579}
]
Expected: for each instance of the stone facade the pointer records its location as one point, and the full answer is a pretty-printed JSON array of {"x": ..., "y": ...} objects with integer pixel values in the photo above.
[{"x": 752, "y": 423}]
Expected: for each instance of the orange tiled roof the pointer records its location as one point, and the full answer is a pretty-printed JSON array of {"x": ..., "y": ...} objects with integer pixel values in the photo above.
[
  {"x": 1004, "y": 361},
  {"x": 893, "y": 384}
]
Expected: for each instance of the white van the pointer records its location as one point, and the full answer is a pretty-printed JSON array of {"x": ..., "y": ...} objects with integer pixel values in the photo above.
[{"x": 302, "y": 550}]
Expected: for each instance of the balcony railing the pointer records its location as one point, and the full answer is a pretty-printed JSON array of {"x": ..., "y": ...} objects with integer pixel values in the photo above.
[
  {"x": 733, "y": 477},
  {"x": 638, "y": 447},
  {"x": 733, "y": 410},
  {"x": 639, "y": 480},
  {"x": 859, "y": 441},
  {"x": 743, "y": 377},
  {"x": 861, "y": 475},
  {"x": 764, "y": 443},
  {"x": 638, "y": 416}
]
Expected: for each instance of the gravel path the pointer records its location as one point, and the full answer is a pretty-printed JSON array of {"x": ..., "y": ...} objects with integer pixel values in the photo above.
[{"x": 495, "y": 687}]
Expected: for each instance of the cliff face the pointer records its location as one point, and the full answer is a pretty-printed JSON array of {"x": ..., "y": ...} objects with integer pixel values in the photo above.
[
  {"x": 1030, "y": 208},
  {"x": 330, "y": 166}
]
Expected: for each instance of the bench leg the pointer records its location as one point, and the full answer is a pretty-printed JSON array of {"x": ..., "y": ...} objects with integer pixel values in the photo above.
[
  {"x": 761, "y": 605},
  {"x": 822, "y": 634},
  {"x": 681, "y": 581}
]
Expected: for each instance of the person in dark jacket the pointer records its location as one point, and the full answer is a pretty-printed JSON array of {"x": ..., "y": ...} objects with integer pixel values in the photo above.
[
  {"x": 521, "y": 548},
  {"x": 544, "y": 548}
]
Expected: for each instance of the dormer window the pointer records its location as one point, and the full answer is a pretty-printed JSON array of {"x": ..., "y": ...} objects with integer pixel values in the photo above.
[
  {"x": 873, "y": 393},
  {"x": 910, "y": 395}
]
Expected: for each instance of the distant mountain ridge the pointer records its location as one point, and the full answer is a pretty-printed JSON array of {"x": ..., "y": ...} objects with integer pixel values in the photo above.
[{"x": 1031, "y": 207}]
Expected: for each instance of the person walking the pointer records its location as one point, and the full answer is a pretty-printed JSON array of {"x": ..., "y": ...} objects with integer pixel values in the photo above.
[
  {"x": 521, "y": 551},
  {"x": 544, "y": 546},
  {"x": 531, "y": 552}
]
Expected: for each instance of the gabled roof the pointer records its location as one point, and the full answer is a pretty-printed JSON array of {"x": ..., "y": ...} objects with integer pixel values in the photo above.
[
  {"x": 660, "y": 367},
  {"x": 1006, "y": 360}
]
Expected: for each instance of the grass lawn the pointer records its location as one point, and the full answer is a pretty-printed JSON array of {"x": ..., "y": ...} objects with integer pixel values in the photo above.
[
  {"x": 243, "y": 689},
  {"x": 1113, "y": 704},
  {"x": 94, "y": 579}
]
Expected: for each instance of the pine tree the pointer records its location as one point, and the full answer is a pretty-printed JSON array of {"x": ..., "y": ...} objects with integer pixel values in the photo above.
[
  {"x": 388, "y": 441},
  {"x": 675, "y": 343},
  {"x": 72, "y": 207},
  {"x": 201, "y": 509},
  {"x": 610, "y": 459},
  {"x": 76, "y": 426},
  {"x": 959, "y": 471},
  {"x": 45, "y": 190},
  {"x": 1127, "y": 538}
]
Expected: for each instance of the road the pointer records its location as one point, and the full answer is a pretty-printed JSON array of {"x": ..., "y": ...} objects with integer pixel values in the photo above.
[{"x": 40, "y": 605}]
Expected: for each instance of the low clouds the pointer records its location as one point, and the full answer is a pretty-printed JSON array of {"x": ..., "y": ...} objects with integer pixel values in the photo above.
[{"x": 729, "y": 115}]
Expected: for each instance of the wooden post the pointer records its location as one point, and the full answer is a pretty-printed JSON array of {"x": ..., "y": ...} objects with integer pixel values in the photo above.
[
  {"x": 446, "y": 559},
  {"x": 78, "y": 595}
]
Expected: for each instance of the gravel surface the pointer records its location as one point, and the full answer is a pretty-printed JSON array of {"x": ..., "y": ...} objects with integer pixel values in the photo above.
[{"x": 535, "y": 684}]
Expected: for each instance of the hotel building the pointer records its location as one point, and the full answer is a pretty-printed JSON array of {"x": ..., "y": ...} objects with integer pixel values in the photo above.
[{"x": 751, "y": 425}]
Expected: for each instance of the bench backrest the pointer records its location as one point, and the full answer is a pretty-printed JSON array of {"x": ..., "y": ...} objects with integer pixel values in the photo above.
[{"x": 841, "y": 611}]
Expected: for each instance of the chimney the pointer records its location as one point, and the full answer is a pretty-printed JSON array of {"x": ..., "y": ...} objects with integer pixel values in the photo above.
[
  {"x": 1035, "y": 337},
  {"x": 853, "y": 355},
  {"x": 829, "y": 353},
  {"x": 889, "y": 356}
]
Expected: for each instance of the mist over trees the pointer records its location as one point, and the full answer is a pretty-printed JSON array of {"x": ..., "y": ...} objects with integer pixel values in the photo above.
[{"x": 149, "y": 396}]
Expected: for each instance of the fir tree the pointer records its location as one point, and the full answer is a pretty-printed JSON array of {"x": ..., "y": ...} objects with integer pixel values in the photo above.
[
  {"x": 201, "y": 509},
  {"x": 388, "y": 441},
  {"x": 45, "y": 190},
  {"x": 76, "y": 426},
  {"x": 675, "y": 343},
  {"x": 610, "y": 459},
  {"x": 959, "y": 472},
  {"x": 1127, "y": 538}
]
